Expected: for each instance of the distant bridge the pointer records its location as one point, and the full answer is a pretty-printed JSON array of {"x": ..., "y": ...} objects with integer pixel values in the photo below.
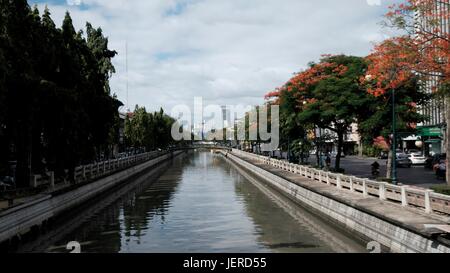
[{"x": 209, "y": 146}]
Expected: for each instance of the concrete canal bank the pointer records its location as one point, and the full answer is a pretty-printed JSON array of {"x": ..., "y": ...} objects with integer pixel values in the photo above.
[
  {"x": 396, "y": 227},
  {"x": 19, "y": 220}
]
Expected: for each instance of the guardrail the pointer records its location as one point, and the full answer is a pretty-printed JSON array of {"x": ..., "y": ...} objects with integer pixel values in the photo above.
[
  {"x": 425, "y": 199},
  {"x": 95, "y": 170}
]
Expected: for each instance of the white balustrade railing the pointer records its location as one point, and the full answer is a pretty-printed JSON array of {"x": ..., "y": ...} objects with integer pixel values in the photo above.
[
  {"x": 95, "y": 170},
  {"x": 425, "y": 199}
]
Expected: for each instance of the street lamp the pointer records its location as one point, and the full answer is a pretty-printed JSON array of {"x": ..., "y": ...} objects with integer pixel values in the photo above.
[{"x": 394, "y": 140}]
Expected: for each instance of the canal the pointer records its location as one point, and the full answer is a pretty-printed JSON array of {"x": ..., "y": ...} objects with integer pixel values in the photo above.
[{"x": 198, "y": 202}]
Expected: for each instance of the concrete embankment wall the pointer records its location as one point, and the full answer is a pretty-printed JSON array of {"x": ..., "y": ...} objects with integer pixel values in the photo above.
[
  {"x": 20, "y": 219},
  {"x": 365, "y": 225}
]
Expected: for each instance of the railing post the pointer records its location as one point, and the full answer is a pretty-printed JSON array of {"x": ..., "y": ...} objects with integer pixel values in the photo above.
[
  {"x": 365, "y": 192},
  {"x": 352, "y": 188},
  {"x": 382, "y": 191},
  {"x": 52, "y": 179},
  {"x": 33, "y": 181},
  {"x": 84, "y": 171},
  {"x": 320, "y": 176},
  {"x": 404, "y": 197},
  {"x": 428, "y": 208},
  {"x": 91, "y": 171},
  {"x": 104, "y": 167},
  {"x": 338, "y": 181},
  {"x": 98, "y": 169},
  {"x": 328, "y": 179}
]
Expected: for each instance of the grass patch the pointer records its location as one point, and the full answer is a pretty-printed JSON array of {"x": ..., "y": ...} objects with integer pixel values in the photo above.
[
  {"x": 384, "y": 179},
  {"x": 444, "y": 189}
]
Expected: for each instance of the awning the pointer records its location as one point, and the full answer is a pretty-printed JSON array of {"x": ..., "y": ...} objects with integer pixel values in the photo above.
[
  {"x": 433, "y": 141},
  {"x": 429, "y": 131}
]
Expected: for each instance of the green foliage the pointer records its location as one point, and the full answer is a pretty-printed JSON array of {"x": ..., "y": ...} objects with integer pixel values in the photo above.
[
  {"x": 376, "y": 120},
  {"x": 330, "y": 96},
  {"x": 56, "y": 110},
  {"x": 336, "y": 100},
  {"x": 443, "y": 189},
  {"x": 148, "y": 130},
  {"x": 371, "y": 151}
]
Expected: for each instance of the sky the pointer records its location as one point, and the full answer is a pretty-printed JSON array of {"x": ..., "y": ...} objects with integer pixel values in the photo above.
[{"x": 228, "y": 52}]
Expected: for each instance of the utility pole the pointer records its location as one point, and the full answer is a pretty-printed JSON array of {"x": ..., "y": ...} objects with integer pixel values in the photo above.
[{"x": 126, "y": 72}]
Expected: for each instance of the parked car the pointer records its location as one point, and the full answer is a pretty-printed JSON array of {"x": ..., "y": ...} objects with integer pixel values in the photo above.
[
  {"x": 403, "y": 161},
  {"x": 415, "y": 152},
  {"x": 431, "y": 161},
  {"x": 417, "y": 159},
  {"x": 334, "y": 154},
  {"x": 383, "y": 155}
]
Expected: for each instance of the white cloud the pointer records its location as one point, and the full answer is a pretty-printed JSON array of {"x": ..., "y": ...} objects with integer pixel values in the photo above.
[
  {"x": 74, "y": 2},
  {"x": 228, "y": 51}
]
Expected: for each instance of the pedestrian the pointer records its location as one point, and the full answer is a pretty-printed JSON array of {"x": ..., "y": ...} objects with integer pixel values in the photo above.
[{"x": 328, "y": 161}]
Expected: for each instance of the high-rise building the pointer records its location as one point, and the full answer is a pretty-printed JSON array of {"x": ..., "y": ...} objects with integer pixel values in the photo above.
[
  {"x": 226, "y": 116},
  {"x": 432, "y": 131}
]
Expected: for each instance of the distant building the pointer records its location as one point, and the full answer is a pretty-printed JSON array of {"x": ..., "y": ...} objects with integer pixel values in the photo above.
[
  {"x": 431, "y": 133},
  {"x": 352, "y": 141}
]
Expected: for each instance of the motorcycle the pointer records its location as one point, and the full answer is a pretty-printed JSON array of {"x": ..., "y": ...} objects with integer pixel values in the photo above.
[
  {"x": 375, "y": 169},
  {"x": 375, "y": 172}
]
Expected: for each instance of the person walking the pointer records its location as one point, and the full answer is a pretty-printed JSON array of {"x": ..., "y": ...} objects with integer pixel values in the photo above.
[{"x": 328, "y": 161}]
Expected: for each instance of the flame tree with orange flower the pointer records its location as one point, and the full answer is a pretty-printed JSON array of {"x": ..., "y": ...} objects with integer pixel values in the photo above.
[
  {"x": 394, "y": 86},
  {"x": 327, "y": 95},
  {"x": 332, "y": 94},
  {"x": 422, "y": 51}
]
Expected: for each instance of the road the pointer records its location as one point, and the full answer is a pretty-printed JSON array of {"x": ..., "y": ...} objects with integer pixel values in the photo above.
[{"x": 414, "y": 176}]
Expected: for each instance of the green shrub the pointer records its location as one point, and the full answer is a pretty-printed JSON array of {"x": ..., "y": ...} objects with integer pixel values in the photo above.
[
  {"x": 384, "y": 179},
  {"x": 444, "y": 189},
  {"x": 371, "y": 151}
]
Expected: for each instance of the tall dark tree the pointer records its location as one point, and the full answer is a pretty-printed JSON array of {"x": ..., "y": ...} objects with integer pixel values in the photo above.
[
  {"x": 148, "y": 130},
  {"x": 58, "y": 109}
]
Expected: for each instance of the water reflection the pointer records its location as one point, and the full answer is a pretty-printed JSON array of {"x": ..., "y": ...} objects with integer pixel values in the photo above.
[
  {"x": 197, "y": 203},
  {"x": 284, "y": 226}
]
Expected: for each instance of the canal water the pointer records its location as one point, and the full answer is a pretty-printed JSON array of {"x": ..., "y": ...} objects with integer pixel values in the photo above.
[{"x": 199, "y": 202}]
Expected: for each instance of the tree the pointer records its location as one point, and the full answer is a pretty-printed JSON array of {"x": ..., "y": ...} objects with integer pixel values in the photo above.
[
  {"x": 389, "y": 73},
  {"x": 3, "y": 77},
  {"x": 427, "y": 44},
  {"x": 54, "y": 88},
  {"x": 148, "y": 130},
  {"x": 293, "y": 130},
  {"x": 326, "y": 95},
  {"x": 336, "y": 96}
]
